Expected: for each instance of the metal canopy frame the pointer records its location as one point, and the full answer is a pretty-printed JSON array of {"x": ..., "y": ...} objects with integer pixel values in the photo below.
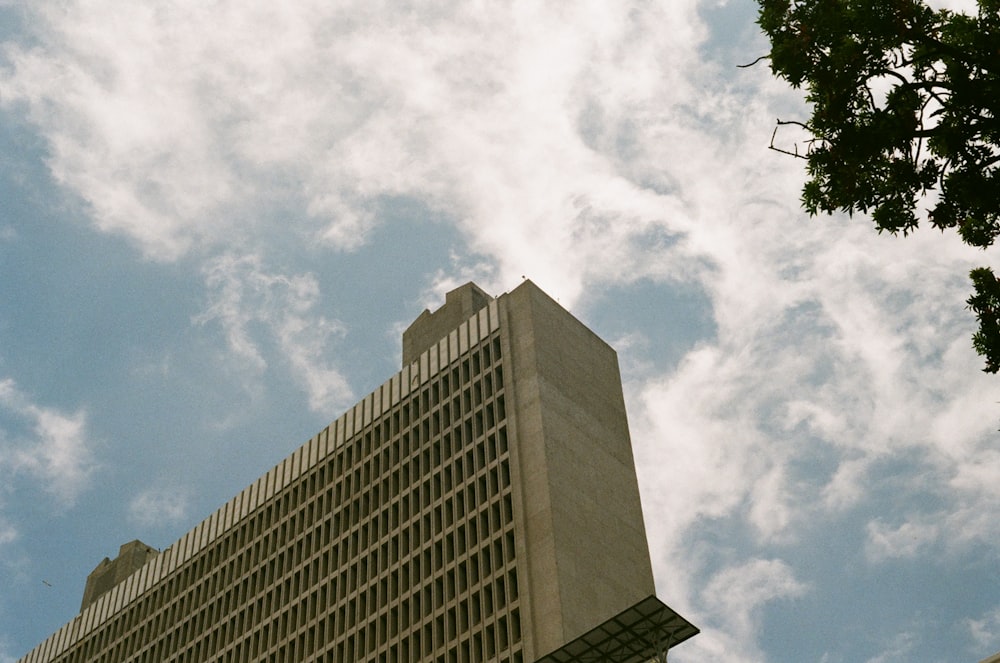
[{"x": 638, "y": 634}]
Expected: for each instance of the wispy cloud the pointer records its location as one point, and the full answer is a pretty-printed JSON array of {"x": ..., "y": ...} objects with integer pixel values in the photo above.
[
  {"x": 5, "y": 655},
  {"x": 898, "y": 650},
  {"x": 905, "y": 540},
  {"x": 178, "y": 136},
  {"x": 45, "y": 444},
  {"x": 736, "y": 595},
  {"x": 159, "y": 507},
  {"x": 985, "y": 631},
  {"x": 46, "y": 456},
  {"x": 8, "y": 532},
  {"x": 255, "y": 306}
]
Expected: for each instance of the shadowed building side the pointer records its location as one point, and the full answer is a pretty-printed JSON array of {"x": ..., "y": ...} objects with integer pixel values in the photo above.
[
  {"x": 131, "y": 557},
  {"x": 460, "y": 304}
]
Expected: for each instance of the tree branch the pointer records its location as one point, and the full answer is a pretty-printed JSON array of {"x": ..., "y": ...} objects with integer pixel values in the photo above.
[
  {"x": 778, "y": 149},
  {"x": 763, "y": 57},
  {"x": 782, "y": 123}
]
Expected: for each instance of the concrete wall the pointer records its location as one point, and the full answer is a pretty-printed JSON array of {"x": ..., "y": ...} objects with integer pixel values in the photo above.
[
  {"x": 586, "y": 551},
  {"x": 131, "y": 557},
  {"x": 429, "y": 328}
]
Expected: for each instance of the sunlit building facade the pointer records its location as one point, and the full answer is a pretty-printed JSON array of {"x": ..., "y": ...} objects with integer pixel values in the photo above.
[{"x": 479, "y": 506}]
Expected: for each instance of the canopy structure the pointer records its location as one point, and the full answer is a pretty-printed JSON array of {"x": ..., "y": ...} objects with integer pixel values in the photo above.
[{"x": 638, "y": 634}]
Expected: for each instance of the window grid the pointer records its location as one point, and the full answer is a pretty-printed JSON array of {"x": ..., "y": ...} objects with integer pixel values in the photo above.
[{"x": 398, "y": 546}]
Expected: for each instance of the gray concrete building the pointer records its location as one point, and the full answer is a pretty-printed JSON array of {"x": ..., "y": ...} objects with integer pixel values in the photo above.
[{"x": 479, "y": 506}]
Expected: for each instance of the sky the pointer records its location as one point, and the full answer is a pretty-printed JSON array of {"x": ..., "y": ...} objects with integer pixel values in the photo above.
[{"x": 216, "y": 218}]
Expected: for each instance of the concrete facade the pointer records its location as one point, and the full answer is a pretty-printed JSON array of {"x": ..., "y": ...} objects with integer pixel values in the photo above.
[
  {"x": 429, "y": 328},
  {"x": 480, "y": 506},
  {"x": 132, "y": 556},
  {"x": 585, "y": 552}
]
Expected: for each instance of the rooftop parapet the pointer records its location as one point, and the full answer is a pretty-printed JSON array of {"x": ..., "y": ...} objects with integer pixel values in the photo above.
[
  {"x": 459, "y": 305},
  {"x": 107, "y": 574}
]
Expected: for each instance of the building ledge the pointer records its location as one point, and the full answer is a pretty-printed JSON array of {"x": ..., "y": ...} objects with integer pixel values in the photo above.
[{"x": 636, "y": 635}]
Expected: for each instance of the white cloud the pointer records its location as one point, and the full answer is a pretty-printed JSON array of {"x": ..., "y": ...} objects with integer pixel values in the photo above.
[
  {"x": 735, "y": 596},
  {"x": 967, "y": 6},
  {"x": 481, "y": 273},
  {"x": 899, "y": 649},
  {"x": 8, "y": 533},
  {"x": 905, "y": 540},
  {"x": 952, "y": 531},
  {"x": 739, "y": 590},
  {"x": 179, "y": 125},
  {"x": 255, "y": 306},
  {"x": 971, "y": 495},
  {"x": 159, "y": 506},
  {"x": 42, "y": 451},
  {"x": 50, "y": 446},
  {"x": 985, "y": 631},
  {"x": 5, "y": 655}
]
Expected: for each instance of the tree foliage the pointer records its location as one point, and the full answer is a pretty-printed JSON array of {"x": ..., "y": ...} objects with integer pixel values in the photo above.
[{"x": 905, "y": 121}]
